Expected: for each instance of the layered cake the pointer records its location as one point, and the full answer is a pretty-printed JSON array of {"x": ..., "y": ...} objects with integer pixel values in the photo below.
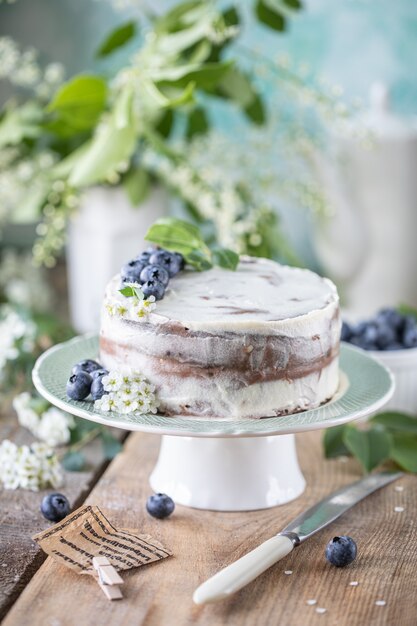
[{"x": 257, "y": 342}]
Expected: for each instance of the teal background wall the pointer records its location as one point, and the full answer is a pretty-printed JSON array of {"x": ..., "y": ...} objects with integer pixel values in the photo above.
[{"x": 351, "y": 42}]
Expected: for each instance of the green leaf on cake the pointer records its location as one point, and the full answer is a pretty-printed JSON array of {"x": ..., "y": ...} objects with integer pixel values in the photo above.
[
  {"x": 132, "y": 292},
  {"x": 117, "y": 38},
  {"x": 180, "y": 236},
  {"x": 223, "y": 257}
]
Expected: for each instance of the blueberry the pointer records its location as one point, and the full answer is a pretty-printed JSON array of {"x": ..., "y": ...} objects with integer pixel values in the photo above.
[
  {"x": 169, "y": 260},
  {"x": 386, "y": 335},
  {"x": 155, "y": 272},
  {"x": 361, "y": 343},
  {"x": 97, "y": 389},
  {"x": 153, "y": 288},
  {"x": 55, "y": 506},
  {"x": 79, "y": 385},
  {"x": 181, "y": 260},
  {"x": 88, "y": 365},
  {"x": 392, "y": 317},
  {"x": 131, "y": 271},
  {"x": 341, "y": 551},
  {"x": 100, "y": 372},
  {"x": 409, "y": 338},
  {"x": 160, "y": 505},
  {"x": 346, "y": 332}
]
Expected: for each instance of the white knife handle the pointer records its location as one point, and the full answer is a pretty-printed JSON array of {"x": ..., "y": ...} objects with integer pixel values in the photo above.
[{"x": 241, "y": 572}]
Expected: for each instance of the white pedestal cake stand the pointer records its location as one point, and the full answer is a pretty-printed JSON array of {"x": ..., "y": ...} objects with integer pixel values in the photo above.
[{"x": 224, "y": 464}]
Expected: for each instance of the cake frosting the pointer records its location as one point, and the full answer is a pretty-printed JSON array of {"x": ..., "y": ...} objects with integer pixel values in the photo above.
[{"x": 257, "y": 342}]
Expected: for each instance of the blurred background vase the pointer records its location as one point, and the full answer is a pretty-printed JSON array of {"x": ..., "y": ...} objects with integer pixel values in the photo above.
[
  {"x": 105, "y": 232},
  {"x": 369, "y": 245}
]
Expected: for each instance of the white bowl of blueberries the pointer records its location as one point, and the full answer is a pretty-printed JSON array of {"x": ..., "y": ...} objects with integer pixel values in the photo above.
[{"x": 391, "y": 337}]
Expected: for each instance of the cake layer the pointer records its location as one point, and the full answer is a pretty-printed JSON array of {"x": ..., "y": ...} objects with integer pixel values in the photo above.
[{"x": 257, "y": 342}]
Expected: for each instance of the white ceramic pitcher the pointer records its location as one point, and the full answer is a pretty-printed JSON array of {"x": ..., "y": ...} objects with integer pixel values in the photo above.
[
  {"x": 369, "y": 246},
  {"x": 105, "y": 233}
]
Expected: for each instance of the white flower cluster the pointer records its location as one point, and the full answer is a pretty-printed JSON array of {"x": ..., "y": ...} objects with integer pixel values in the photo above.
[
  {"x": 132, "y": 307},
  {"x": 29, "y": 467},
  {"x": 17, "y": 175},
  {"x": 21, "y": 69},
  {"x": 51, "y": 426},
  {"x": 16, "y": 336},
  {"x": 127, "y": 392}
]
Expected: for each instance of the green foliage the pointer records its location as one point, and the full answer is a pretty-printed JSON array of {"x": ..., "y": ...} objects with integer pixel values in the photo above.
[
  {"x": 132, "y": 292},
  {"x": 79, "y": 103},
  {"x": 19, "y": 124},
  {"x": 390, "y": 436},
  {"x": 183, "y": 237},
  {"x": 73, "y": 461},
  {"x": 117, "y": 38},
  {"x": 136, "y": 184}
]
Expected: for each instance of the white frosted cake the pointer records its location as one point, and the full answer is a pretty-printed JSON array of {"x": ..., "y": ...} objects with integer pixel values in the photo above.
[{"x": 257, "y": 342}]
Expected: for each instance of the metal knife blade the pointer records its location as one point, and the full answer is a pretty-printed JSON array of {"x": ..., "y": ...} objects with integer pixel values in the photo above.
[{"x": 330, "y": 508}]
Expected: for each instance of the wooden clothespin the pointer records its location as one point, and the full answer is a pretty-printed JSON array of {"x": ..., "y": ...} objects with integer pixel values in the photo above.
[{"x": 108, "y": 579}]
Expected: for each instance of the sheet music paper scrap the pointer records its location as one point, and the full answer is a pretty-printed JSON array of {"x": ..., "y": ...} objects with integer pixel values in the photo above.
[{"x": 87, "y": 533}]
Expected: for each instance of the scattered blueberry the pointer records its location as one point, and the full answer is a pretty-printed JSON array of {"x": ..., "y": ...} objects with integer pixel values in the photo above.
[
  {"x": 169, "y": 260},
  {"x": 154, "y": 272},
  {"x": 131, "y": 271},
  {"x": 97, "y": 389},
  {"x": 88, "y": 365},
  {"x": 79, "y": 385},
  {"x": 180, "y": 260},
  {"x": 55, "y": 506},
  {"x": 341, "y": 551},
  {"x": 100, "y": 372},
  {"x": 160, "y": 505},
  {"x": 153, "y": 288}
]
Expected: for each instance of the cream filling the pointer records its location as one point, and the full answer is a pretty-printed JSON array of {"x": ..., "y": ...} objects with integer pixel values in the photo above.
[{"x": 221, "y": 399}]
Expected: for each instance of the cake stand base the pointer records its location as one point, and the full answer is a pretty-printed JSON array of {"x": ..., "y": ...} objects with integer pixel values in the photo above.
[{"x": 228, "y": 474}]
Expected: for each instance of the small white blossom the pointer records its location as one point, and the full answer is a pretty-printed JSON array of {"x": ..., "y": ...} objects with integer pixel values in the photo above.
[
  {"x": 129, "y": 392},
  {"x": 29, "y": 467},
  {"x": 112, "y": 381}
]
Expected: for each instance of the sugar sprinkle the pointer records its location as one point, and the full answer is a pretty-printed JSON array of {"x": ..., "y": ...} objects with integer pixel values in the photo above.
[
  {"x": 311, "y": 602},
  {"x": 320, "y": 610},
  {"x": 399, "y": 509},
  {"x": 353, "y": 583},
  {"x": 380, "y": 603},
  {"x": 288, "y": 572}
]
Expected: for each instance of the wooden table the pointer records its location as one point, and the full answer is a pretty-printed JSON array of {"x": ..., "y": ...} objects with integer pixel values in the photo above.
[{"x": 204, "y": 541}]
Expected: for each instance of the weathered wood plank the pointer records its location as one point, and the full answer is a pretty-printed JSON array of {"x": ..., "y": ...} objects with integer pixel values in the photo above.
[
  {"x": 204, "y": 541},
  {"x": 20, "y": 517}
]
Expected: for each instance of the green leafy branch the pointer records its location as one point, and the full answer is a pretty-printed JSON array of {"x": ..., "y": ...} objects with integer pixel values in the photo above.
[
  {"x": 387, "y": 437},
  {"x": 183, "y": 237}
]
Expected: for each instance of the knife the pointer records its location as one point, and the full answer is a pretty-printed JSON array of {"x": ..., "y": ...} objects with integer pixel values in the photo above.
[{"x": 241, "y": 572}]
